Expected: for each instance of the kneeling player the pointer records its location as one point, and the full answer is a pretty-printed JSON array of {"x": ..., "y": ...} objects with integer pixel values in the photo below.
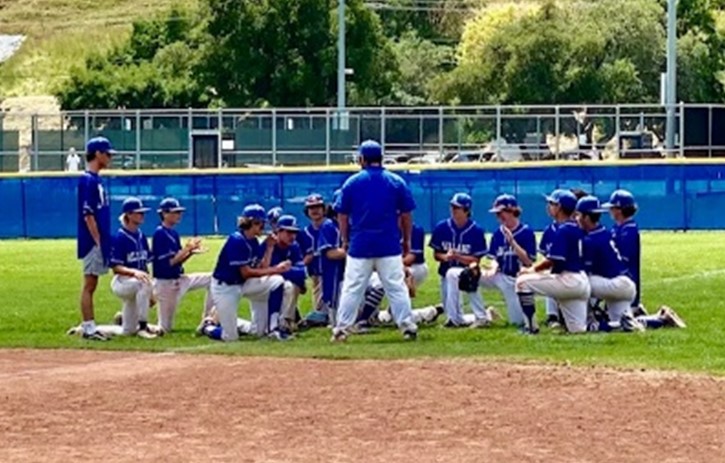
[
  {"x": 566, "y": 283},
  {"x": 129, "y": 261},
  {"x": 286, "y": 249},
  {"x": 243, "y": 270},
  {"x": 171, "y": 283}
]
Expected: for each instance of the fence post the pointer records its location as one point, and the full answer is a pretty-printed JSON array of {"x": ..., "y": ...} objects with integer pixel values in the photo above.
[
  {"x": 382, "y": 128},
  {"x": 709, "y": 131},
  {"x": 138, "y": 139},
  {"x": 190, "y": 128},
  {"x": 440, "y": 130},
  {"x": 34, "y": 138},
  {"x": 616, "y": 131},
  {"x": 420, "y": 131},
  {"x": 556, "y": 132},
  {"x": 327, "y": 136},
  {"x": 86, "y": 127},
  {"x": 220, "y": 147},
  {"x": 681, "y": 137},
  {"x": 498, "y": 132},
  {"x": 274, "y": 137}
]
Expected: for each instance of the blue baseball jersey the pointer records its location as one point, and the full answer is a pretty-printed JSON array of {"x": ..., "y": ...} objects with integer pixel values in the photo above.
[
  {"x": 601, "y": 256},
  {"x": 626, "y": 238},
  {"x": 308, "y": 239},
  {"x": 238, "y": 251},
  {"x": 468, "y": 240},
  {"x": 417, "y": 244},
  {"x": 165, "y": 244},
  {"x": 130, "y": 249},
  {"x": 373, "y": 199},
  {"x": 292, "y": 253},
  {"x": 547, "y": 237},
  {"x": 332, "y": 270},
  {"x": 566, "y": 248},
  {"x": 93, "y": 200},
  {"x": 504, "y": 254}
]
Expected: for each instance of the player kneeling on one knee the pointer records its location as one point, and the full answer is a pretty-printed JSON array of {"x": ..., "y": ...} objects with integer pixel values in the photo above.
[
  {"x": 607, "y": 273},
  {"x": 513, "y": 246},
  {"x": 287, "y": 249},
  {"x": 129, "y": 260},
  {"x": 459, "y": 242},
  {"x": 566, "y": 282},
  {"x": 243, "y": 270},
  {"x": 171, "y": 283}
]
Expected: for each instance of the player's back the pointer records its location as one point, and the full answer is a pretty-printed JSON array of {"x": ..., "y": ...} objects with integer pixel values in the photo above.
[
  {"x": 601, "y": 256},
  {"x": 566, "y": 248}
]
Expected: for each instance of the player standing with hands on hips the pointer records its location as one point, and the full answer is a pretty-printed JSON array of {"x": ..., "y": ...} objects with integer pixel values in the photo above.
[
  {"x": 94, "y": 229},
  {"x": 371, "y": 204}
]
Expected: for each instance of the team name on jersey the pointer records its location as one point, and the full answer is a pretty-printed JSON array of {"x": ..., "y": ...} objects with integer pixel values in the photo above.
[
  {"x": 502, "y": 251},
  {"x": 461, "y": 248},
  {"x": 137, "y": 256}
]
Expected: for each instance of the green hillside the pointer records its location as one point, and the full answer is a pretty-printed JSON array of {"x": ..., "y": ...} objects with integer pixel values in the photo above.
[{"x": 60, "y": 33}]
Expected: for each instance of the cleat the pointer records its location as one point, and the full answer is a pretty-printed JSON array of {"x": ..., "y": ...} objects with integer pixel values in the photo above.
[
  {"x": 206, "y": 321},
  {"x": 362, "y": 327},
  {"x": 280, "y": 335},
  {"x": 95, "y": 336},
  {"x": 480, "y": 323},
  {"x": 410, "y": 335},
  {"x": 631, "y": 324},
  {"x": 145, "y": 334},
  {"x": 118, "y": 319},
  {"x": 492, "y": 313},
  {"x": 451, "y": 324},
  {"x": 529, "y": 331},
  {"x": 670, "y": 317},
  {"x": 639, "y": 311},
  {"x": 338, "y": 336},
  {"x": 552, "y": 321},
  {"x": 439, "y": 312}
]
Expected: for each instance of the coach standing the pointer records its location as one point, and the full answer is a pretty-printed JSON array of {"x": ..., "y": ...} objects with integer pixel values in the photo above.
[
  {"x": 94, "y": 229},
  {"x": 373, "y": 209}
]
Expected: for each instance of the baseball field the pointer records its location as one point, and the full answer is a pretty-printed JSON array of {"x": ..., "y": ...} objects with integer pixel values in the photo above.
[{"x": 454, "y": 395}]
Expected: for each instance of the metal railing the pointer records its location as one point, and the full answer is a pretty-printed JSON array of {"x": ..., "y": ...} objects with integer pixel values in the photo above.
[{"x": 184, "y": 138}]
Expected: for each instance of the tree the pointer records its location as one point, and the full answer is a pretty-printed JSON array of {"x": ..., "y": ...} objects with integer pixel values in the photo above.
[{"x": 419, "y": 62}]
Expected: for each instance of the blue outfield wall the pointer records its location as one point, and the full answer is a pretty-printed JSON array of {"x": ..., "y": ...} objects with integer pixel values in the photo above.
[{"x": 675, "y": 195}]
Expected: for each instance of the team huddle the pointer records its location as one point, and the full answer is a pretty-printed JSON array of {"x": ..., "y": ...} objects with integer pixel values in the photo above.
[{"x": 358, "y": 248}]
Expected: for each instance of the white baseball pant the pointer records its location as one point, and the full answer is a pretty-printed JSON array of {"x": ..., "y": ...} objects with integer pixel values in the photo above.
[
  {"x": 453, "y": 304},
  {"x": 506, "y": 285},
  {"x": 227, "y": 297},
  {"x": 170, "y": 293},
  {"x": 392, "y": 277},
  {"x": 617, "y": 292},
  {"x": 136, "y": 297},
  {"x": 419, "y": 273},
  {"x": 570, "y": 290},
  {"x": 289, "y": 304}
]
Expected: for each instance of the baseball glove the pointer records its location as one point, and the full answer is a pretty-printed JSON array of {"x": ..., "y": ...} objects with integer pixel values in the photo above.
[{"x": 469, "y": 278}]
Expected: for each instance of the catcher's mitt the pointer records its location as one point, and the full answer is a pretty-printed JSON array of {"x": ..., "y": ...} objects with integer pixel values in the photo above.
[{"x": 469, "y": 278}]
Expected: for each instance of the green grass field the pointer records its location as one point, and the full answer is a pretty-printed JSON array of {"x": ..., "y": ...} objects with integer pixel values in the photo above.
[{"x": 40, "y": 281}]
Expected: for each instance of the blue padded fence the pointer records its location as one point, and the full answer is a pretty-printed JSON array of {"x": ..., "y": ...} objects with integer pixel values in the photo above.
[{"x": 675, "y": 195}]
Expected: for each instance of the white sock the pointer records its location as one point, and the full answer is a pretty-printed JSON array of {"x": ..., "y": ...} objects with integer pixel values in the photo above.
[{"x": 89, "y": 327}]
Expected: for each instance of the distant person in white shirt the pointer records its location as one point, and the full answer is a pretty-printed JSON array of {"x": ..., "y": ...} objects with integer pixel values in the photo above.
[{"x": 73, "y": 161}]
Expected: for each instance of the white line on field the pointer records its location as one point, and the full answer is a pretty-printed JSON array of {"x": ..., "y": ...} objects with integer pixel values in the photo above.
[{"x": 688, "y": 276}]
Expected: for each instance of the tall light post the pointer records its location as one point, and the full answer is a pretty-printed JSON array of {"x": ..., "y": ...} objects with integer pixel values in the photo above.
[
  {"x": 671, "y": 76},
  {"x": 341, "y": 58}
]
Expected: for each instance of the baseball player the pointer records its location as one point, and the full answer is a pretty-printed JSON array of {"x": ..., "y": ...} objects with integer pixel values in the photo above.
[
  {"x": 171, "y": 284},
  {"x": 566, "y": 282},
  {"x": 458, "y": 242},
  {"x": 132, "y": 283},
  {"x": 625, "y": 233},
  {"x": 243, "y": 270},
  {"x": 375, "y": 205},
  {"x": 547, "y": 237},
  {"x": 416, "y": 271},
  {"x": 332, "y": 264},
  {"x": 513, "y": 246},
  {"x": 607, "y": 273},
  {"x": 287, "y": 249},
  {"x": 94, "y": 230},
  {"x": 308, "y": 237}
]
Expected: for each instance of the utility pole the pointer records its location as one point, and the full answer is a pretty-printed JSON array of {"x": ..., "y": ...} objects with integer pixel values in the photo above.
[
  {"x": 671, "y": 77},
  {"x": 340, "y": 58}
]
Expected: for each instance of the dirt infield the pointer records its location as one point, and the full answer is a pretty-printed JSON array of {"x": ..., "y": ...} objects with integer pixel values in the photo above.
[{"x": 66, "y": 405}]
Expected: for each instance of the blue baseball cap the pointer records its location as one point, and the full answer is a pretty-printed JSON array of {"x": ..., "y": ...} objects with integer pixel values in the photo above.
[
  {"x": 370, "y": 149},
  {"x": 620, "y": 198},
  {"x": 288, "y": 222},
  {"x": 462, "y": 200},
  {"x": 563, "y": 198},
  {"x": 274, "y": 214},
  {"x": 314, "y": 200},
  {"x": 504, "y": 202},
  {"x": 254, "y": 212},
  {"x": 132, "y": 205},
  {"x": 170, "y": 205},
  {"x": 99, "y": 144},
  {"x": 589, "y": 205}
]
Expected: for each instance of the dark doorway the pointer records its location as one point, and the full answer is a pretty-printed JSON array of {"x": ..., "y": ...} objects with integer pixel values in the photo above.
[{"x": 205, "y": 151}]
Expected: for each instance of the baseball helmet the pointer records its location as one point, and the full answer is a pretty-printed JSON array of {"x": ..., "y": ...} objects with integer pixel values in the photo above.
[{"x": 314, "y": 200}]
